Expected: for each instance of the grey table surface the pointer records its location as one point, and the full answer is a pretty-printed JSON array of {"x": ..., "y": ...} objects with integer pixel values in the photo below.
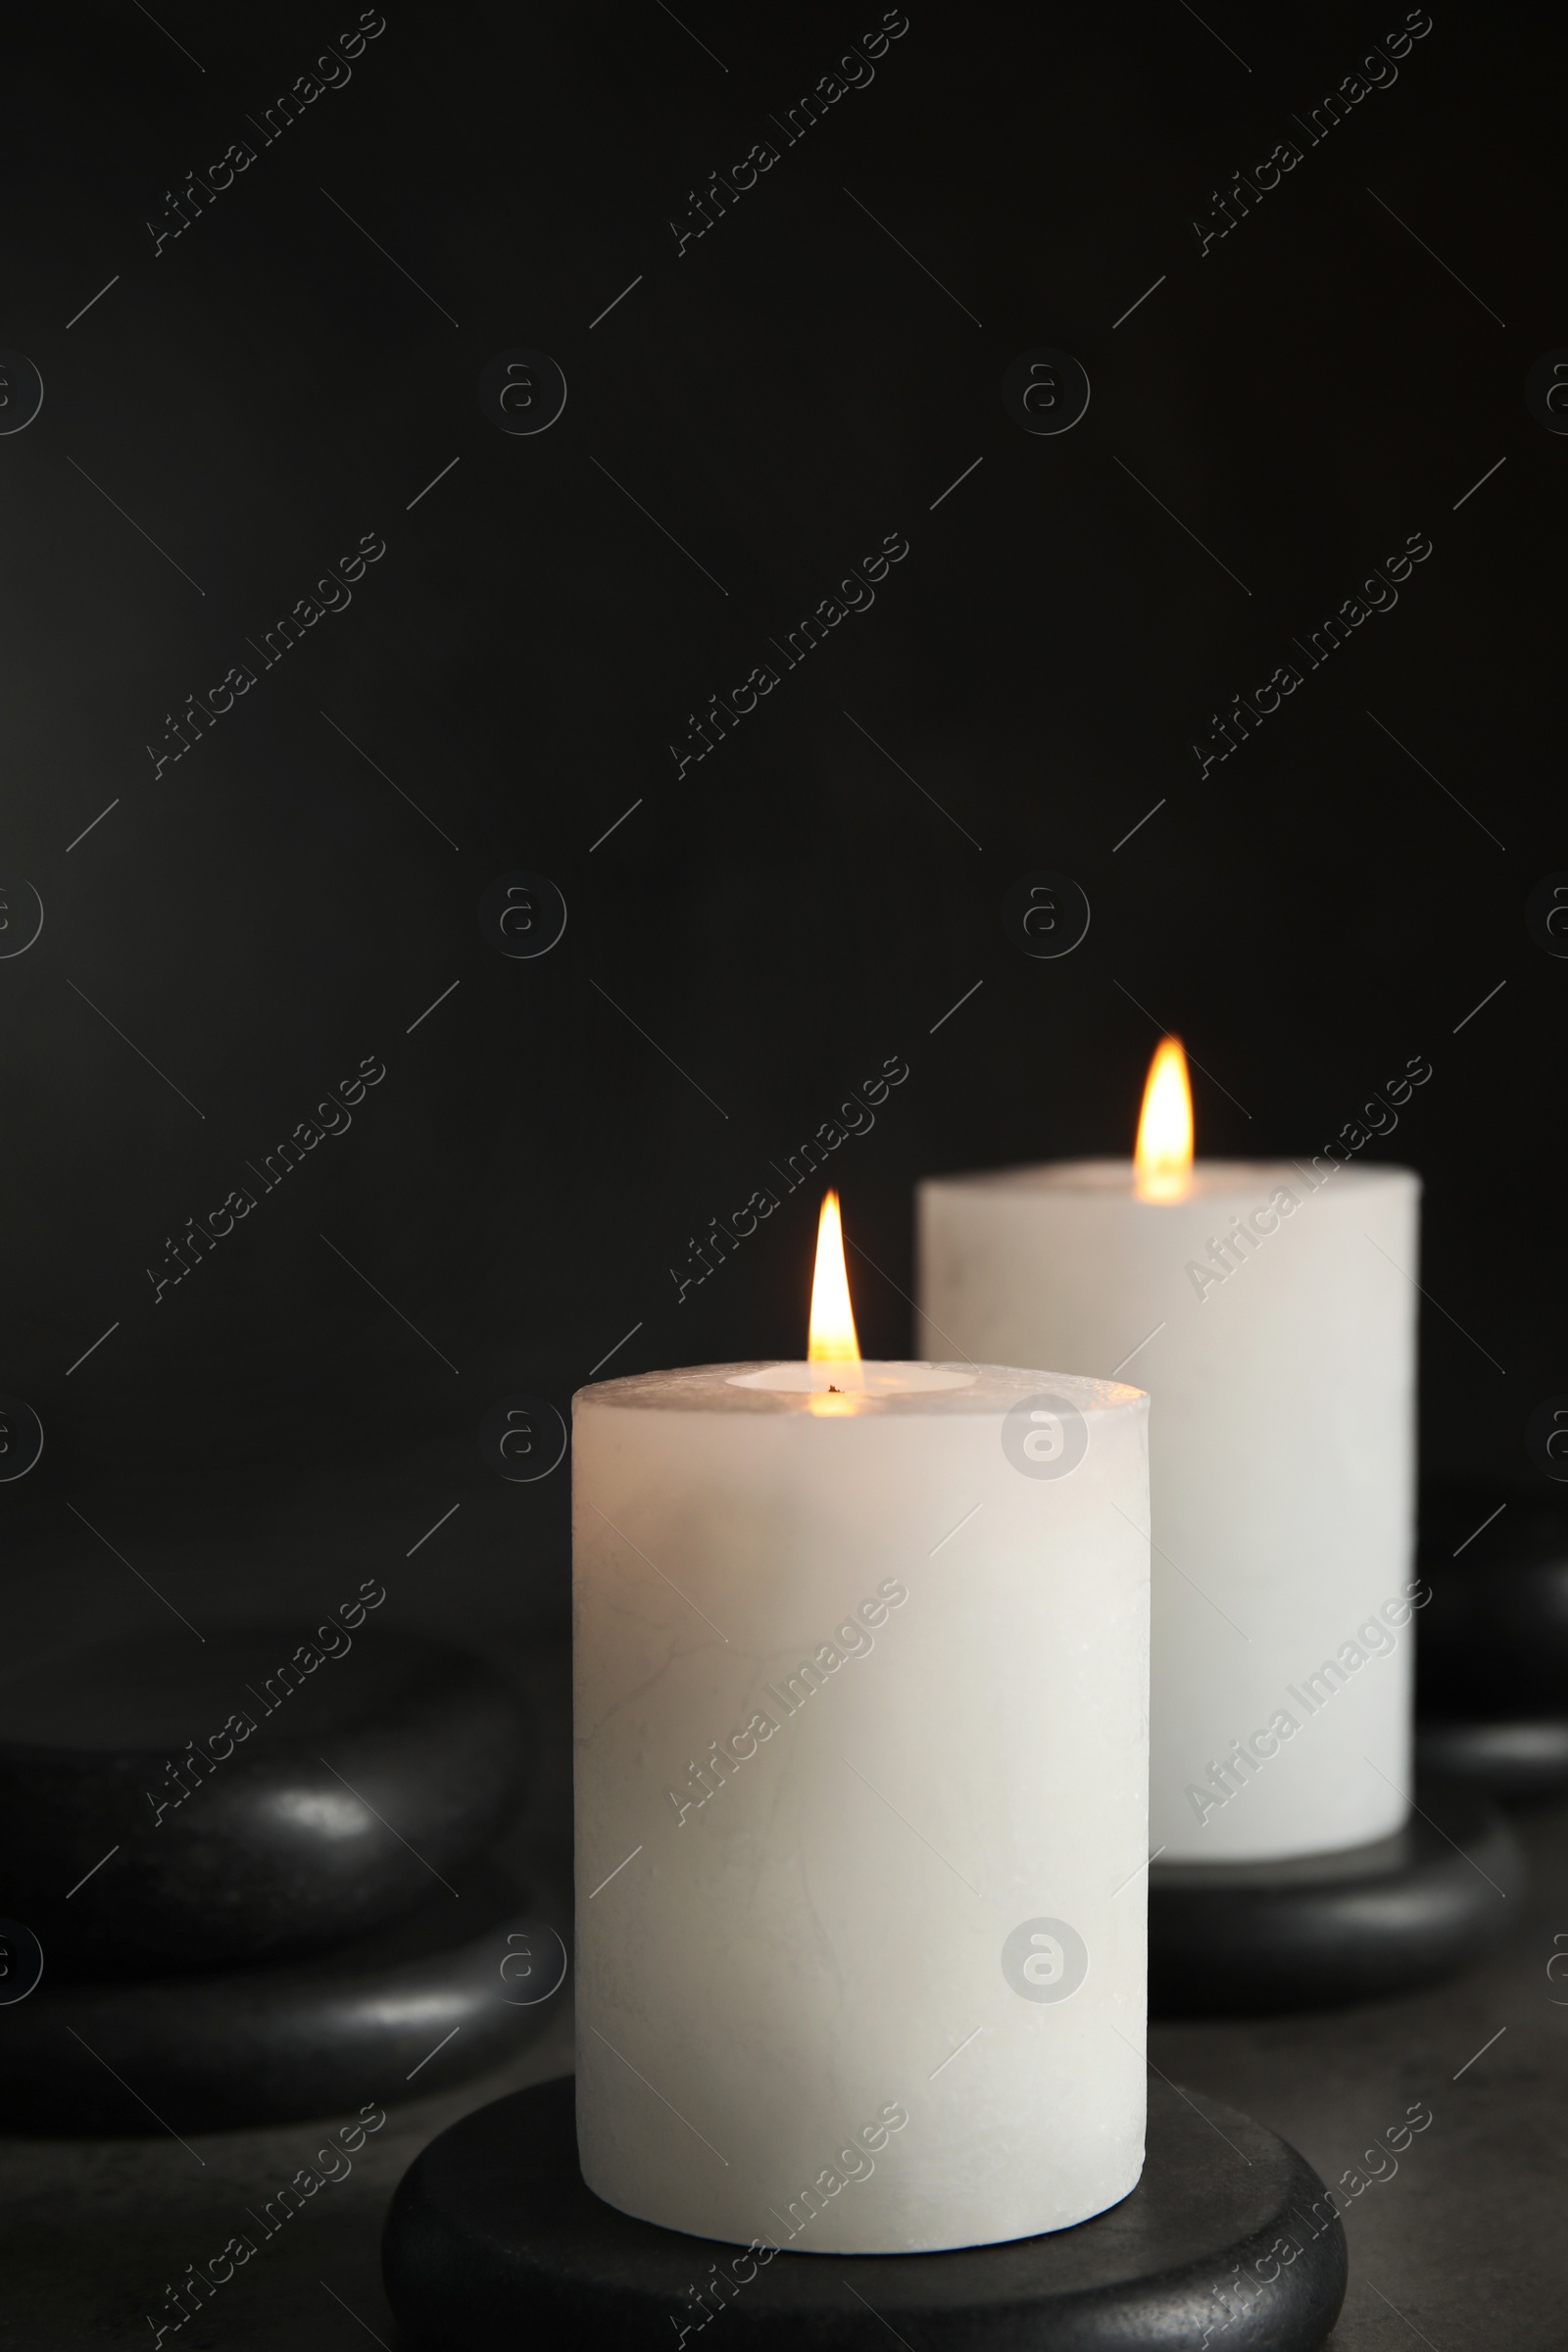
[{"x": 1466, "y": 2246}]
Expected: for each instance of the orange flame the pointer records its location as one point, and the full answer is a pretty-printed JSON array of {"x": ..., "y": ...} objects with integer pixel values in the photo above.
[
  {"x": 1163, "y": 1158},
  {"x": 832, "y": 1337}
]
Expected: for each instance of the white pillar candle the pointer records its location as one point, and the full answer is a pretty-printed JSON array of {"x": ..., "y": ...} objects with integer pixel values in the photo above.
[
  {"x": 1270, "y": 1310},
  {"x": 862, "y": 1752}
]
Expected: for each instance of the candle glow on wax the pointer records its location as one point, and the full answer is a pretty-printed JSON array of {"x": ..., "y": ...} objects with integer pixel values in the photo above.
[{"x": 1163, "y": 1158}]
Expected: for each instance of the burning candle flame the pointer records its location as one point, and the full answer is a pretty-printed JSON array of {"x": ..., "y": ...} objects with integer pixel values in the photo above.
[
  {"x": 1164, "y": 1156},
  {"x": 832, "y": 1339}
]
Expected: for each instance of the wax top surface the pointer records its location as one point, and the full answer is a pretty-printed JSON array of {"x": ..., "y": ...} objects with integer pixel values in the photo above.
[
  {"x": 990, "y": 1390},
  {"x": 1211, "y": 1178}
]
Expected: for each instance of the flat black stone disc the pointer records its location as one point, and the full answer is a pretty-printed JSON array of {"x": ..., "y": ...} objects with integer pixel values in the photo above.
[
  {"x": 1494, "y": 1638},
  {"x": 214, "y": 2052},
  {"x": 1518, "y": 1759},
  {"x": 360, "y": 1773},
  {"x": 1492, "y": 1665},
  {"x": 493, "y": 2241},
  {"x": 1350, "y": 1927}
]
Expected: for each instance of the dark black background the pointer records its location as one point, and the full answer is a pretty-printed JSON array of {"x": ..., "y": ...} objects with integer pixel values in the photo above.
[{"x": 791, "y": 911}]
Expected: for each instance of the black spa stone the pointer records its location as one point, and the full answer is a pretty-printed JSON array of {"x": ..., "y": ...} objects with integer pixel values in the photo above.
[
  {"x": 1520, "y": 1759},
  {"x": 165, "y": 1803},
  {"x": 411, "y": 2008},
  {"x": 1494, "y": 1637},
  {"x": 1236, "y": 1936},
  {"x": 493, "y": 2241},
  {"x": 1491, "y": 1662}
]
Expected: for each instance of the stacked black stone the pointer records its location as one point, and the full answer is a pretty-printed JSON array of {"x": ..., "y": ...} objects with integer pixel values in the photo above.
[
  {"x": 1491, "y": 1662},
  {"x": 255, "y": 1868}
]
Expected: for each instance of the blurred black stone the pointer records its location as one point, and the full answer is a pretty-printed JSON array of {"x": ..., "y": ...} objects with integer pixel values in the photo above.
[
  {"x": 1491, "y": 1663},
  {"x": 296, "y": 2037},
  {"x": 1518, "y": 1759},
  {"x": 493, "y": 2239},
  {"x": 1494, "y": 1633},
  {"x": 1228, "y": 1937},
  {"x": 387, "y": 1763}
]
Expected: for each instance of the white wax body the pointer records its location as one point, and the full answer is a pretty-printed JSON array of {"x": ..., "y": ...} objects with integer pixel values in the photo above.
[
  {"x": 1282, "y": 1449},
  {"x": 786, "y": 1966}
]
